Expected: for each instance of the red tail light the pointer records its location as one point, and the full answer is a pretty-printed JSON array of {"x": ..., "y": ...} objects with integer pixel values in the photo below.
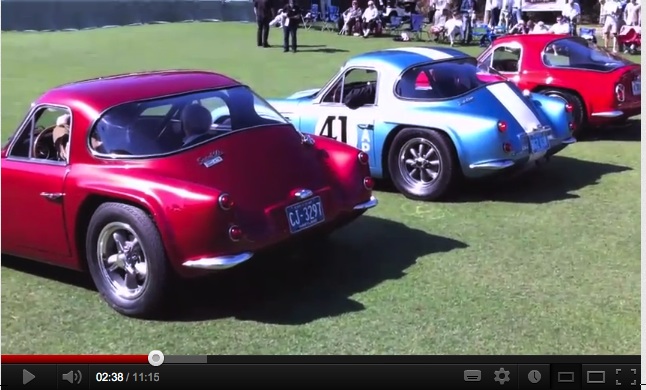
[
  {"x": 235, "y": 233},
  {"x": 225, "y": 202},
  {"x": 502, "y": 126},
  {"x": 620, "y": 92},
  {"x": 506, "y": 147},
  {"x": 363, "y": 158},
  {"x": 569, "y": 107},
  {"x": 369, "y": 183}
]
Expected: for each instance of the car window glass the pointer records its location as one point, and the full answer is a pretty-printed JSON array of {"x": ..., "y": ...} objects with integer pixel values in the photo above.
[
  {"x": 506, "y": 59},
  {"x": 190, "y": 119},
  {"x": 41, "y": 137},
  {"x": 157, "y": 110},
  {"x": 356, "y": 84},
  {"x": 578, "y": 53}
]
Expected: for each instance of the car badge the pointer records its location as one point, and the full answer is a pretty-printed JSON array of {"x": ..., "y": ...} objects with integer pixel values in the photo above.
[
  {"x": 303, "y": 193},
  {"x": 466, "y": 100},
  {"x": 212, "y": 159}
]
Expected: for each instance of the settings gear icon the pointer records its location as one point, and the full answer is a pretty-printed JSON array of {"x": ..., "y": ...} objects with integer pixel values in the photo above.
[{"x": 502, "y": 376}]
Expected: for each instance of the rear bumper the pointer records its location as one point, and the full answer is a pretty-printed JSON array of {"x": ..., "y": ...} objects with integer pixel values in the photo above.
[
  {"x": 614, "y": 116},
  {"x": 219, "y": 263}
]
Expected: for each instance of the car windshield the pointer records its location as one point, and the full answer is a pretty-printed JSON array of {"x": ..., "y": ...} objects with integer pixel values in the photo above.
[
  {"x": 172, "y": 124},
  {"x": 579, "y": 53},
  {"x": 444, "y": 80}
]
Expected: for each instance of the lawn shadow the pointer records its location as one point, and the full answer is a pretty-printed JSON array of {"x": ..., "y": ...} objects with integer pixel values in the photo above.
[
  {"x": 631, "y": 131},
  {"x": 326, "y": 50},
  {"x": 292, "y": 288},
  {"x": 554, "y": 181}
]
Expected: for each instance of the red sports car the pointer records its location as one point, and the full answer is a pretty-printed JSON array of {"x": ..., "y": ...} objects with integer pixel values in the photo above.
[
  {"x": 602, "y": 87},
  {"x": 131, "y": 178}
]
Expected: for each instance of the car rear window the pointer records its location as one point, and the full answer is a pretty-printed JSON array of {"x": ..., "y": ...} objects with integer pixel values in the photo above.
[
  {"x": 442, "y": 80},
  {"x": 172, "y": 124},
  {"x": 579, "y": 53}
]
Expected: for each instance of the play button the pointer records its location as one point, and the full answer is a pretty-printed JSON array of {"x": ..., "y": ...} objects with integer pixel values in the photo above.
[{"x": 27, "y": 377}]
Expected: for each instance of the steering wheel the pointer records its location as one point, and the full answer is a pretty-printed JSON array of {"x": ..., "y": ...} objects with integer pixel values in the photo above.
[
  {"x": 222, "y": 119},
  {"x": 41, "y": 150}
]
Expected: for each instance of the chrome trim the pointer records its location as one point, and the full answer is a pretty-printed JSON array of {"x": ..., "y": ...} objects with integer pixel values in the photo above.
[
  {"x": 220, "y": 201},
  {"x": 219, "y": 262},
  {"x": 367, "y": 205},
  {"x": 569, "y": 141},
  {"x": 230, "y": 235},
  {"x": 608, "y": 114},
  {"x": 493, "y": 165},
  {"x": 52, "y": 195},
  {"x": 303, "y": 193}
]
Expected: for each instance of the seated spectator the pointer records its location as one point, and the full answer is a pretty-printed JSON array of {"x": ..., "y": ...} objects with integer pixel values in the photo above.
[
  {"x": 438, "y": 30},
  {"x": 540, "y": 28},
  {"x": 453, "y": 28},
  {"x": 370, "y": 19},
  {"x": 519, "y": 28},
  {"x": 560, "y": 27},
  {"x": 350, "y": 20}
]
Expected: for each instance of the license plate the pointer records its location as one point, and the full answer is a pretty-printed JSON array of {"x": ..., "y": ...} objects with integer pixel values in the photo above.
[
  {"x": 637, "y": 88},
  {"x": 539, "y": 142},
  {"x": 305, "y": 214}
]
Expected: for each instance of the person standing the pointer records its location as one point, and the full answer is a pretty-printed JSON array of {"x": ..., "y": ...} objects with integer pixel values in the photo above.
[
  {"x": 572, "y": 11},
  {"x": 496, "y": 5},
  {"x": 290, "y": 26},
  {"x": 264, "y": 10},
  {"x": 431, "y": 11},
  {"x": 440, "y": 6},
  {"x": 632, "y": 13},
  {"x": 612, "y": 14},
  {"x": 487, "y": 12},
  {"x": 516, "y": 11},
  {"x": 466, "y": 9}
]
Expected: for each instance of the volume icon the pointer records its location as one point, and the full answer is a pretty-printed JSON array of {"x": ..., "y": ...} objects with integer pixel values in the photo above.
[{"x": 73, "y": 377}]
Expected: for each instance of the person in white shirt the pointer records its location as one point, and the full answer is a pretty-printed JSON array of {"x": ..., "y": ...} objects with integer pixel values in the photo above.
[
  {"x": 632, "y": 13},
  {"x": 505, "y": 13},
  {"x": 560, "y": 27},
  {"x": 572, "y": 12},
  {"x": 487, "y": 12},
  {"x": 370, "y": 18},
  {"x": 611, "y": 12},
  {"x": 540, "y": 28},
  {"x": 453, "y": 28},
  {"x": 440, "y": 6}
]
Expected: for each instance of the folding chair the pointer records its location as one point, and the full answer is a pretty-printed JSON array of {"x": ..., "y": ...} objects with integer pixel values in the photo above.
[
  {"x": 483, "y": 33},
  {"x": 311, "y": 16},
  {"x": 589, "y": 34},
  {"x": 417, "y": 26},
  {"x": 395, "y": 25},
  {"x": 332, "y": 18}
]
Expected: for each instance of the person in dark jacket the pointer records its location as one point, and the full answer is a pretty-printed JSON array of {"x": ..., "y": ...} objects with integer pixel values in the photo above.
[
  {"x": 264, "y": 10},
  {"x": 290, "y": 25}
]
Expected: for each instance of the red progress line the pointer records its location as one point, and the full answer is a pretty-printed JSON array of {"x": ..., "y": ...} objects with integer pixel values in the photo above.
[{"x": 75, "y": 359}]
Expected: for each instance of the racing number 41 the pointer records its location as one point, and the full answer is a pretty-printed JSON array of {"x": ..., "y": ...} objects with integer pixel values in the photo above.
[{"x": 335, "y": 127}]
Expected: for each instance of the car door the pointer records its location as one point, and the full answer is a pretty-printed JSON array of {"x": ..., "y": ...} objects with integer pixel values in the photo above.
[
  {"x": 33, "y": 182},
  {"x": 332, "y": 118}
]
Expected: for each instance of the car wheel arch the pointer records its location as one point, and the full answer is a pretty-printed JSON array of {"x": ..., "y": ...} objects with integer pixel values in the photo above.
[
  {"x": 385, "y": 150},
  {"x": 86, "y": 210},
  {"x": 584, "y": 105}
]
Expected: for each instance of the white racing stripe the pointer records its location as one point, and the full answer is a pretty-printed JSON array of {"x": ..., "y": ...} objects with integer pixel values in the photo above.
[
  {"x": 432, "y": 54},
  {"x": 517, "y": 108}
]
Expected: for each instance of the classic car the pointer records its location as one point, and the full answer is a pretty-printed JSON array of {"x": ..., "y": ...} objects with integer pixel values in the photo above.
[
  {"x": 429, "y": 116},
  {"x": 137, "y": 183},
  {"x": 603, "y": 88}
]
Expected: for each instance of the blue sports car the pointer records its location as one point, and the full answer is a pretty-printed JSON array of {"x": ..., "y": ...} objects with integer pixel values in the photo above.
[{"x": 428, "y": 116}]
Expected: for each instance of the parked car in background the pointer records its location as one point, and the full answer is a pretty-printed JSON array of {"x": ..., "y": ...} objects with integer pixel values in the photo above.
[
  {"x": 429, "y": 116},
  {"x": 131, "y": 177},
  {"x": 602, "y": 87}
]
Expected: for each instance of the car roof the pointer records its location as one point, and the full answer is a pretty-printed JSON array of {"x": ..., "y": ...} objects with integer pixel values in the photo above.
[
  {"x": 401, "y": 58},
  {"x": 533, "y": 39},
  {"x": 99, "y": 94}
]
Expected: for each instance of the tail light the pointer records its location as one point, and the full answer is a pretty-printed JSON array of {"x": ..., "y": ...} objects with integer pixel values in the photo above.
[
  {"x": 506, "y": 147},
  {"x": 569, "y": 108},
  {"x": 620, "y": 92},
  {"x": 502, "y": 126},
  {"x": 363, "y": 158},
  {"x": 225, "y": 201},
  {"x": 235, "y": 233},
  {"x": 369, "y": 183}
]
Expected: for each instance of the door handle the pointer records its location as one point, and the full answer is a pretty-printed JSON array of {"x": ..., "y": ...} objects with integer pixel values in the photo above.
[
  {"x": 366, "y": 127},
  {"x": 52, "y": 195}
]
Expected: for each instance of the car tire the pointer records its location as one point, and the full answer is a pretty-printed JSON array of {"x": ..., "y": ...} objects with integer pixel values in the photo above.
[
  {"x": 131, "y": 277},
  {"x": 410, "y": 171},
  {"x": 578, "y": 108}
]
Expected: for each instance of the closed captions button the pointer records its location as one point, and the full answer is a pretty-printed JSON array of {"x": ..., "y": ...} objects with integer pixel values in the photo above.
[{"x": 472, "y": 375}]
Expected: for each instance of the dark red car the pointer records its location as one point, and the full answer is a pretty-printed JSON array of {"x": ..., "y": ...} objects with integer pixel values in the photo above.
[
  {"x": 132, "y": 178},
  {"x": 602, "y": 87}
]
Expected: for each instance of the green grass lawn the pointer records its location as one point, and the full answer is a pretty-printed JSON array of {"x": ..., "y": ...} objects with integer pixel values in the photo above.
[{"x": 545, "y": 264}]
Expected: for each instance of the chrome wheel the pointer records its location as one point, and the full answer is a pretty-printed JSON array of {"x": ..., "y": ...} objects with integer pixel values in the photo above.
[
  {"x": 419, "y": 162},
  {"x": 122, "y": 260}
]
